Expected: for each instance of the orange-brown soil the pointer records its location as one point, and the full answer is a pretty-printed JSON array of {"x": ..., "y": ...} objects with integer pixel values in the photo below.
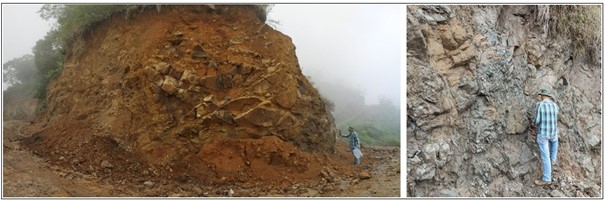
[{"x": 36, "y": 174}]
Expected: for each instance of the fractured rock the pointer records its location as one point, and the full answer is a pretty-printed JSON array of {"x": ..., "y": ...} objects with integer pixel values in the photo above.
[
  {"x": 259, "y": 116},
  {"x": 557, "y": 193},
  {"x": 163, "y": 68},
  {"x": 287, "y": 98},
  {"x": 241, "y": 104},
  {"x": 219, "y": 82},
  {"x": 473, "y": 73},
  {"x": 424, "y": 172},
  {"x": 364, "y": 175},
  {"x": 150, "y": 109},
  {"x": 151, "y": 73},
  {"x": 429, "y": 152},
  {"x": 170, "y": 85},
  {"x": 155, "y": 89},
  {"x": 106, "y": 164},
  {"x": 185, "y": 75},
  {"x": 198, "y": 52}
]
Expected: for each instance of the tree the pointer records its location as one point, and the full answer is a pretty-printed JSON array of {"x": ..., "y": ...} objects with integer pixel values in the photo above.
[
  {"x": 49, "y": 56},
  {"x": 580, "y": 23},
  {"x": 19, "y": 70},
  {"x": 48, "y": 52},
  {"x": 21, "y": 74}
]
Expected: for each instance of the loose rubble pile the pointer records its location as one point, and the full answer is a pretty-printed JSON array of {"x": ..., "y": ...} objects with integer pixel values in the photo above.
[{"x": 28, "y": 175}]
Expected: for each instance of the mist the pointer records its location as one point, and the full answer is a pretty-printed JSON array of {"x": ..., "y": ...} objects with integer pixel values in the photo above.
[
  {"x": 356, "y": 45},
  {"x": 22, "y": 26},
  {"x": 352, "y": 55}
]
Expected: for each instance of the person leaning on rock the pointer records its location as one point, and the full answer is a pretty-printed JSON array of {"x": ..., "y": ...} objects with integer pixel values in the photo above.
[
  {"x": 546, "y": 120},
  {"x": 354, "y": 145}
]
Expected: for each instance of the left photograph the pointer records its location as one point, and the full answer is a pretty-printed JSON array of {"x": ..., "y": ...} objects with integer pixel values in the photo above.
[{"x": 202, "y": 100}]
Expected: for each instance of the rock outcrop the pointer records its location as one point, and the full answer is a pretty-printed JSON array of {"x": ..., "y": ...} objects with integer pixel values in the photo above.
[
  {"x": 210, "y": 89},
  {"x": 473, "y": 73}
]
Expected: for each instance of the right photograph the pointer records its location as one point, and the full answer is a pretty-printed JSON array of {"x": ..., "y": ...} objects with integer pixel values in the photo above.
[{"x": 504, "y": 100}]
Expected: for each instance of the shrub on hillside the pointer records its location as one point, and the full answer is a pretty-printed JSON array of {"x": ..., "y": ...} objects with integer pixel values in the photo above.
[{"x": 580, "y": 23}]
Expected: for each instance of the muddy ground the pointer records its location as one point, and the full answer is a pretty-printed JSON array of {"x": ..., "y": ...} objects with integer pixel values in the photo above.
[{"x": 25, "y": 174}]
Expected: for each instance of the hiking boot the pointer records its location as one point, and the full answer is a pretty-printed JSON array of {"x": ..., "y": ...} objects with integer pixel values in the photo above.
[{"x": 539, "y": 182}]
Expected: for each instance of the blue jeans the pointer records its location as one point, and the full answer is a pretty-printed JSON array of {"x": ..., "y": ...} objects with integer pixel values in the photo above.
[
  {"x": 357, "y": 160},
  {"x": 548, "y": 153}
]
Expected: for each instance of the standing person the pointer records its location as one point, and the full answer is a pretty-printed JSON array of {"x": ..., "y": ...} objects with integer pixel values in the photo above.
[
  {"x": 546, "y": 119},
  {"x": 354, "y": 145}
]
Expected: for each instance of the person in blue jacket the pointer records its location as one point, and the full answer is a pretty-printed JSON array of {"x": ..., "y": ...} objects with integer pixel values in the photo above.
[{"x": 354, "y": 144}]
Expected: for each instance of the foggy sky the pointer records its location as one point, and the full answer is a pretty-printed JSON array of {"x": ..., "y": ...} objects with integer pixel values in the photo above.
[
  {"x": 359, "y": 45},
  {"x": 22, "y": 26}
]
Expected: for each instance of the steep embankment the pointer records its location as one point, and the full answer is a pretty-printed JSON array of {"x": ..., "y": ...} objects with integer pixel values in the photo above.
[
  {"x": 473, "y": 74},
  {"x": 203, "y": 93}
]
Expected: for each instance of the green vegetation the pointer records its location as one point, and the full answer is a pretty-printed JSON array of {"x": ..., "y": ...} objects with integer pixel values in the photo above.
[
  {"x": 21, "y": 73},
  {"x": 580, "y": 23},
  {"x": 49, "y": 56},
  {"x": 376, "y": 124},
  {"x": 19, "y": 70},
  {"x": 74, "y": 20},
  {"x": 263, "y": 10}
]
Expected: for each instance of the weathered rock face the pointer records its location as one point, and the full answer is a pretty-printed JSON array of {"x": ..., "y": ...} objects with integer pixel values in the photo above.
[
  {"x": 168, "y": 85},
  {"x": 473, "y": 73}
]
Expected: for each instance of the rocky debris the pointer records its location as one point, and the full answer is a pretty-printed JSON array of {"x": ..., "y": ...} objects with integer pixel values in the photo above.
[
  {"x": 328, "y": 188},
  {"x": 151, "y": 182},
  {"x": 431, "y": 14},
  {"x": 328, "y": 175},
  {"x": 169, "y": 85},
  {"x": 162, "y": 68},
  {"x": 473, "y": 73},
  {"x": 344, "y": 185},
  {"x": 106, "y": 164},
  {"x": 364, "y": 175},
  {"x": 198, "y": 52},
  {"x": 75, "y": 161},
  {"x": 230, "y": 193},
  {"x": 557, "y": 193}
]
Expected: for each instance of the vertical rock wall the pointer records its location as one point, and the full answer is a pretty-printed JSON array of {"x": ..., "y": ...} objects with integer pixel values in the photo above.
[{"x": 473, "y": 73}]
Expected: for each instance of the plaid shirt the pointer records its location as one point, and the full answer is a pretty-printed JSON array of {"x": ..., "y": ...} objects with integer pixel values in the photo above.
[
  {"x": 546, "y": 118},
  {"x": 353, "y": 140}
]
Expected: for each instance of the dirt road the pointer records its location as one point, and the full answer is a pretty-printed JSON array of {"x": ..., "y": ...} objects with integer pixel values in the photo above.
[{"x": 27, "y": 175}]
